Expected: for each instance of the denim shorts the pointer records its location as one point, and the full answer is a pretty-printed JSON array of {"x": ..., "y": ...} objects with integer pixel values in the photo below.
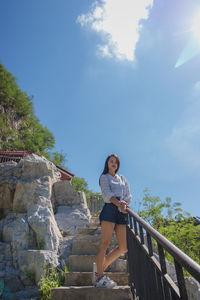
[{"x": 110, "y": 213}]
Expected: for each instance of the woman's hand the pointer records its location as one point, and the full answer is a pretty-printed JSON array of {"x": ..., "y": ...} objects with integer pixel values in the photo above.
[{"x": 122, "y": 206}]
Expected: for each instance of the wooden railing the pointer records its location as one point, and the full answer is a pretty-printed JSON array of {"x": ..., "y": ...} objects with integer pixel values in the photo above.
[{"x": 148, "y": 277}]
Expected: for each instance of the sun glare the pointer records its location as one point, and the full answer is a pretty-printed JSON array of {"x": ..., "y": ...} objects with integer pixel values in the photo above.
[{"x": 196, "y": 27}]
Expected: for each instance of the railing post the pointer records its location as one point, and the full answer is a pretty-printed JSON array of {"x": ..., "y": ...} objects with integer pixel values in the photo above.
[
  {"x": 141, "y": 234},
  {"x": 164, "y": 270},
  {"x": 148, "y": 278},
  {"x": 130, "y": 221},
  {"x": 93, "y": 203},
  {"x": 162, "y": 259},
  {"x": 181, "y": 280},
  {"x": 135, "y": 226},
  {"x": 149, "y": 243}
]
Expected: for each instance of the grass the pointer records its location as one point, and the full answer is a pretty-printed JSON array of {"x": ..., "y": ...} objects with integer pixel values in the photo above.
[{"x": 52, "y": 278}]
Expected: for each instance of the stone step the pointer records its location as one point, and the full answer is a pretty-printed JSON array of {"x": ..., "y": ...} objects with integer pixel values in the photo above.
[
  {"x": 87, "y": 237},
  {"x": 81, "y": 247},
  {"x": 84, "y": 263},
  {"x": 90, "y": 293},
  {"x": 93, "y": 225},
  {"x": 90, "y": 237},
  {"x": 85, "y": 278},
  {"x": 89, "y": 231},
  {"x": 94, "y": 219}
]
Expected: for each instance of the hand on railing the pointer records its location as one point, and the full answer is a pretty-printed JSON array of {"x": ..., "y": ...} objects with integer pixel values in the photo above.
[{"x": 123, "y": 206}]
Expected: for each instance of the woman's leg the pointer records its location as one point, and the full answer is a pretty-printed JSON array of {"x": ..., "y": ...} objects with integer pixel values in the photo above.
[
  {"x": 106, "y": 235},
  {"x": 120, "y": 231}
]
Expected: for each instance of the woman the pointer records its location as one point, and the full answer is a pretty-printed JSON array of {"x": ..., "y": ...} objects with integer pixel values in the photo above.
[{"x": 116, "y": 195}]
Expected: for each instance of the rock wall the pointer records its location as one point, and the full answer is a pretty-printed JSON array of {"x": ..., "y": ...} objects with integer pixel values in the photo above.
[{"x": 39, "y": 216}]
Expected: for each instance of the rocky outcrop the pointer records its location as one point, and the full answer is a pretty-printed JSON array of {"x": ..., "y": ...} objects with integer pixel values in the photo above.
[
  {"x": 43, "y": 223},
  {"x": 69, "y": 219},
  {"x": 36, "y": 210},
  {"x": 6, "y": 197},
  {"x": 31, "y": 192},
  {"x": 64, "y": 194},
  {"x": 33, "y": 261}
]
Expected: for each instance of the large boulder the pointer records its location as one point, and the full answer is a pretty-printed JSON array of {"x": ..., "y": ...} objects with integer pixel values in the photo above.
[
  {"x": 7, "y": 190},
  {"x": 69, "y": 219},
  {"x": 32, "y": 178},
  {"x": 65, "y": 249},
  {"x": 19, "y": 234},
  {"x": 65, "y": 194},
  {"x": 193, "y": 288},
  {"x": 6, "y": 257},
  {"x": 1, "y": 229},
  {"x": 31, "y": 192},
  {"x": 10, "y": 170},
  {"x": 34, "y": 262},
  {"x": 31, "y": 292},
  {"x": 42, "y": 221},
  {"x": 34, "y": 166}
]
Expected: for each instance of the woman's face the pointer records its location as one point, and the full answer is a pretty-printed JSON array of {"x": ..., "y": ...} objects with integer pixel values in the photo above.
[{"x": 112, "y": 164}]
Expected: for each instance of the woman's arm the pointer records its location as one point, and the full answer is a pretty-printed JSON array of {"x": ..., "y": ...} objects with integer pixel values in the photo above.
[
  {"x": 115, "y": 201},
  {"x": 106, "y": 191},
  {"x": 128, "y": 196}
]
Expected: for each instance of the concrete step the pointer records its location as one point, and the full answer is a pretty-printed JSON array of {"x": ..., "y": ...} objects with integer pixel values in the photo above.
[
  {"x": 85, "y": 278},
  {"x": 82, "y": 232},
  {"x": 91, "y": 293},
  {"x": 94, "y": 222},
  {"x": 81, "y": 247},
  {"x": 90, "y": 237},
  {"x": 89, "y": 231},
  {"x": 87, "y": 237},
  {"x": 84, "y": 263},
  {"x": 93, "y": 225}
]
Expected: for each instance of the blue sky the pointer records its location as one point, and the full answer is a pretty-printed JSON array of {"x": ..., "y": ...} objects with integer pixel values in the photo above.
[{"x": 104, "y": 81}]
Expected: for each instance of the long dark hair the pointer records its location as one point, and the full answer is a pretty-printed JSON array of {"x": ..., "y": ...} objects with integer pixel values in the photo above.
[{"x": 105, "y": 171}]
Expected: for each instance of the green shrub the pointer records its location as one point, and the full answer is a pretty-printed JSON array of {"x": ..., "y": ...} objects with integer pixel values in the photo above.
[
  {"x": 30, "y": 275},
  {"x": 52, "y": 278},
  {"x": 40, "y": 245}
]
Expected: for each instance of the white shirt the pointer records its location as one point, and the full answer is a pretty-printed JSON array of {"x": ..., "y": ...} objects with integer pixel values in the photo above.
[{"x": 115, "y": 187}]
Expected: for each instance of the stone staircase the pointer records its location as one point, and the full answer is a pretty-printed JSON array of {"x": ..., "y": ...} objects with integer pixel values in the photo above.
[{"x": 78, "y": 280}]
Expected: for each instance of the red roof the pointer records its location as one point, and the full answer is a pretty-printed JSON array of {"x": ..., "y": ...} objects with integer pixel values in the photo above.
[
  {"x": 17, "y": 155},
  {"x": 61, "y": 169}
]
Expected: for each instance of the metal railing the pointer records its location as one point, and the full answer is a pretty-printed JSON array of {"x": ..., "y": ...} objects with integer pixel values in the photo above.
[
  {"x": 95, "y": 204},
  {"x": 148, "y": 277}
]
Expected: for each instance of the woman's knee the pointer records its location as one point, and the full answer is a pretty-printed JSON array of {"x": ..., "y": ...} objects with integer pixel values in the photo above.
[{"x": 104, "y": 244}]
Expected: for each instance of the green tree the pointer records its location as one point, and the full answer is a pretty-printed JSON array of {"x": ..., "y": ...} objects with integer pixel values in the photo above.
[
  {"x": 172, "y": 222},
  {"x": 184, "y": 235},
  {"x": 80, "y": 184},
  {"x": 154, "y": 209},
  {"x": 20, "y": 129},
  {"x": 57, "y": 158}
]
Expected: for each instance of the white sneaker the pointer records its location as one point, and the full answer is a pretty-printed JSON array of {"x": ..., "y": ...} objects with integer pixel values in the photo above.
[
  {"x": 105, "y": 282},
  {"x": 94, "y": 274}
]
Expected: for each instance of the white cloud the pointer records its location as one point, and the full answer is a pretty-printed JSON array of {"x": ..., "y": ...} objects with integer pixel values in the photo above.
[
  {"x": 197, "y": 86},
  {"x": 184, "y": 140},
  {"x": 118, "y": 22}
]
